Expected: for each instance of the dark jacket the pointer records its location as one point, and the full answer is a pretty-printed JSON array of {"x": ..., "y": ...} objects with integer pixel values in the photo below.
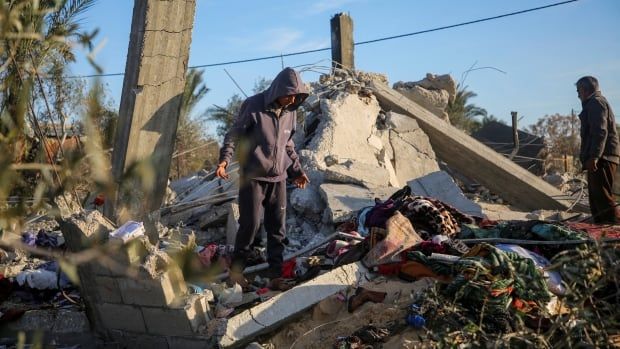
[
  {"x": 599, "y": 137},
  {"x": 263, "y": 140}
]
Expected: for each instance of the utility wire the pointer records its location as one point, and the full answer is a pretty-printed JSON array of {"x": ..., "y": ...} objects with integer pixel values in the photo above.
[{"x": 356, "y": 44}]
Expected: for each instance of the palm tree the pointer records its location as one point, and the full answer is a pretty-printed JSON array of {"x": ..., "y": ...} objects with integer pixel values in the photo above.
[
  {"x": 192, "y": 147},
  {"x": 462, "y": 113},
  {"x": 224, "y": 116},
  {"x": 35, "y": 37},
  {"x": 193, "y": 92}
]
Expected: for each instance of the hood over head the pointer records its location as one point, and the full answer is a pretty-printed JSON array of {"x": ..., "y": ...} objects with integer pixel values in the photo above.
[{"x": 287, "y": 82}]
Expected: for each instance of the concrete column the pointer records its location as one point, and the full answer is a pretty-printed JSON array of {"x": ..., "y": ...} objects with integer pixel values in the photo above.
[
  {"x": 150, "y": 103},
  {"x": 342, "y": 41},
  {"x": 477, "y": 161}
]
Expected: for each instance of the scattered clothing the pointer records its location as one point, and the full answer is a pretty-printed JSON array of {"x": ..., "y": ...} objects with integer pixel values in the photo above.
[
  {"x": 29, "y": 238},
  {"x": 400, "y": 237},
  {"x": 380, "y": 213},
  {"x": 49, "y": 239},
  {"x": 441, "y": 218},
  {"x": 596, "y": 231}
]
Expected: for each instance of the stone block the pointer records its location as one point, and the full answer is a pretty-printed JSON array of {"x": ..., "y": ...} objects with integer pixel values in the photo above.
[
  {"x": 123, "y": 256},
  {"x": 354, "y": 172},
  {"x": 121, "y": 317},
  {"x": 167, "y": 289},
  {"x": 85, "y": 229},
  {"x": 343, "y": 200},
  {"x": 107, "y": 289},
  {"x": 194, "y": 342},
  {"x": 178, "y": 321}
]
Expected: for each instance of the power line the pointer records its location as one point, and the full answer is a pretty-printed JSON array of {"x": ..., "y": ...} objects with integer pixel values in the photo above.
[{"x": 356, "y": 44}]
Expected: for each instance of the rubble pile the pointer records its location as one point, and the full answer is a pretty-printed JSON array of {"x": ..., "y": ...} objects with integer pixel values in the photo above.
[{"x": 384, "y": 249}]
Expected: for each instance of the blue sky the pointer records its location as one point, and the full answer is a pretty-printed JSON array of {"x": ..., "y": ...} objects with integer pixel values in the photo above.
[{"x": 543, "y": 53}]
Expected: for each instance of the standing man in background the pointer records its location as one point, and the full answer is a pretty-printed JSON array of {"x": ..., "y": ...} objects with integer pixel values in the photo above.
[{"x": 599, "y": 154}]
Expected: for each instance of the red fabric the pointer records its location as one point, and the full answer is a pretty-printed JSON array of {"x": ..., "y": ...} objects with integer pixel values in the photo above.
[
  {"x": 428, "y": 247},
  {"x": 487, "y": 223},
  {"x": 389, "y": 269},
  {"x": 99, "y": 200},
  {"x": 207, "y": 254},
  {"x": 597, "y": 231},
  {"x": 262, "y": 290},
  {"x": 347, "y": 227},
  {"x": 288, "y": 269}
]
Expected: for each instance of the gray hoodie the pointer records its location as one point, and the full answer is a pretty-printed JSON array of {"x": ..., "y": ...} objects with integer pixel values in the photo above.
[{"x": 263, "y": 141}]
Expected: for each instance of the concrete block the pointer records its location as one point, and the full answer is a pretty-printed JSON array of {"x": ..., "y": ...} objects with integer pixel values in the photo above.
[
  {"x": 127, "y": 340},
  {"x": 178, "y": 321},
  {"x": 128, "y": 255},
  {"x": 343, "y": 200},
  {"x": 167, "y": 289},
  {"x": 194, "y": 342},
  {"x": 121, "y": 317},
  {"x": 474, "y": 159},
  {"x": 267, "y": 316},
  {"x": 368, "y": 175},
  {"x": 441, "y": 186},
  {"x": 84, "y": 230},
  {"x": 107, "y": 289},
  {"x": 142, "y": 341}
]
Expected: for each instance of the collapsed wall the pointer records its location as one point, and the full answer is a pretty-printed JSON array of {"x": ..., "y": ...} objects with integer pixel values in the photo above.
[{"x": 353, "y": 151}]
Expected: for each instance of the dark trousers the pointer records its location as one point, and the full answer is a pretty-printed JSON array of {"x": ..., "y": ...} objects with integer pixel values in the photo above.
[
  {"x": 600, "y": 192},
  {"x": 254, "y": 198}
]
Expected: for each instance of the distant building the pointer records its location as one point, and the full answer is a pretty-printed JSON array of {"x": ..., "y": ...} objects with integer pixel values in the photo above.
[{"x": 499, "y": 137}]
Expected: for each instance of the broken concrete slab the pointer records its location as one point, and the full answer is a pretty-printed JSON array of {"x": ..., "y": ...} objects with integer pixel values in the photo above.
[
  {"x": 178, "y": 321},
  {"x": 356, "y": 172},
  {"x": 474, "y": 159},
  {"x": 85, "y": 229},
  {"x": 441, "y": 186},
  {"x": 434, "y": 101},
  {"x": 343, "y": 200},
  {"x": 498, "y": 212},
  {"x": 168, "y": 289},
  {"x": 410, "y": 149},
  {"x": 267, "y": 316},
  {"x": 346, "y": 124},
  {"x": 438, "y": 82}
]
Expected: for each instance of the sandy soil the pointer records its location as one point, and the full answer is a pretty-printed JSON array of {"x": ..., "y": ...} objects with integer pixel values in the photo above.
[{"x": 320, "y": 326}]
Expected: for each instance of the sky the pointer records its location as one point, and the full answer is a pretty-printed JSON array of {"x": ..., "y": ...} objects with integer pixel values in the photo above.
[{"x": 541, "y": 54}]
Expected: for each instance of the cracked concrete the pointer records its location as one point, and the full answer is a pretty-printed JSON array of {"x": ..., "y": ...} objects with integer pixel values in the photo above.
[
  {"x": 156, "y": 65},
  {"x": 412, "y": 153},
  {"x": 267, "y": 316}
]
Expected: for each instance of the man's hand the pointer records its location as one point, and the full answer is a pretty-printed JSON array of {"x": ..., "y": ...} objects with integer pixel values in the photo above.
[
  {"x": 301, "y": 181},
  {"x": 221, "y": 170},
  {"x": 591, "y": 165}
]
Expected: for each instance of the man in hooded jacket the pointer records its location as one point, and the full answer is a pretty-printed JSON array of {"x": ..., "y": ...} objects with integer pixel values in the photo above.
[{"x": 261, "y": 135}]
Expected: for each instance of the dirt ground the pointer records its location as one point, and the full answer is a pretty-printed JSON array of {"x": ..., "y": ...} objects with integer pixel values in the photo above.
[{"x": 320, "y": 326}]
